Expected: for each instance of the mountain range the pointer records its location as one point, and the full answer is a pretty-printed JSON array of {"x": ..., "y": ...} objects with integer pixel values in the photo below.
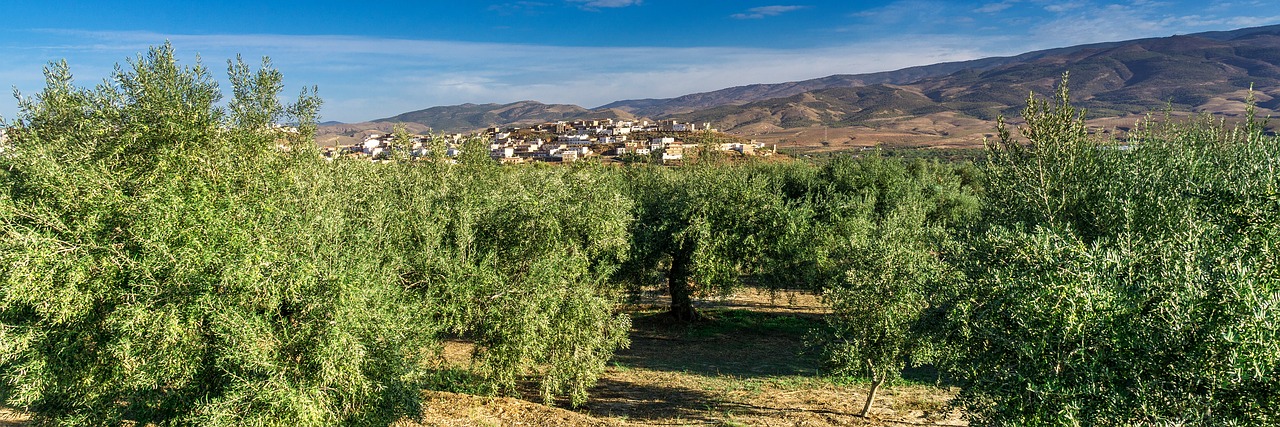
[{"x": 1203, "y": 72}]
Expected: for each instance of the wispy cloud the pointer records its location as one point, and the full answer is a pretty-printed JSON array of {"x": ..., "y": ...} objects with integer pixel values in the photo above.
[
  {"x": 364, "y": 78},
  {"x": 1060, "y": 7},
  {"x": 996, "y": 7},
  {"x": 766, "y": 11},
  {"x": 1212, "y": 21},
  {"x": 598, "y": 4},
  {"x": 517, "y": 7},
  {"x": 1123, "y": 21},
  {"x": 908, "y": 11}
]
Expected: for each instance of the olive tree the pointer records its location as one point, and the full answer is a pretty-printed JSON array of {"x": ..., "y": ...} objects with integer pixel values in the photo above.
[
  {"x": 1125, "y": 284},
  {"x": 519, "y": 262},
  {"x": 701, "y": 228},
  {"x": 876, "y": 247},
  {"x": 168, "y": 260},
  {"x": 164, "y": 261}
]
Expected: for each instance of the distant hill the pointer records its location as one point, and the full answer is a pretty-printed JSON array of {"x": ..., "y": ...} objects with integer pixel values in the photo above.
[
  {"x": 1185, "y": 73},
  {"x": 468, "y": 117},
  {"x": 1198, "y": 72},
  {"x": 759, "y": 92},
  {"x": 341, "y": 134}
]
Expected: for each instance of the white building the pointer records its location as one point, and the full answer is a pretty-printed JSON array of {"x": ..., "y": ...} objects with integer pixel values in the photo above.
[
  {"x": 577, "y": 139},
  {"x": 503, "y": 152},
  {"x": 371, "y": 144}
]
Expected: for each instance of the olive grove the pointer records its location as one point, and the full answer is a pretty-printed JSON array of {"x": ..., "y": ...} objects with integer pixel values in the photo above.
[{"x": 169, "y": 258}]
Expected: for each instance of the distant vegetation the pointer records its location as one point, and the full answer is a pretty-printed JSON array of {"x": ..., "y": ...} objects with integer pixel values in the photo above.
[{"x": 165, "y": 259}]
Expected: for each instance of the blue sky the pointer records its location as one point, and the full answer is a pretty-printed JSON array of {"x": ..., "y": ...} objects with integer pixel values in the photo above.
[{"x": 377, "y": 60}]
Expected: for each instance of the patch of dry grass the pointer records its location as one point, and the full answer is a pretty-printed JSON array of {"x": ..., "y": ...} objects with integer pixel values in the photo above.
[
  {"x": 748, "y": 365},
  {"x": 13, "y": 418}
]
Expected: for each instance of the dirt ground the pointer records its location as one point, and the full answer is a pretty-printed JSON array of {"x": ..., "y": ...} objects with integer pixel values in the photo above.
[
  {"x": 748, "y": 365},
  {"x": 947, "y": 130},
  {"x": 12, "y": 418},
  {"x": 942, "y": 130}
]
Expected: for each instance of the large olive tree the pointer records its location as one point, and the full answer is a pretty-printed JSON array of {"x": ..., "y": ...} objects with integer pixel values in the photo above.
[
  {"x": 1124, "y": 284},
  {"x": 702, "y": 228},
  {"x": 164, "y": 260},
  {"x": 883, "y": 223},
  {"x": 167, "y": 259}
]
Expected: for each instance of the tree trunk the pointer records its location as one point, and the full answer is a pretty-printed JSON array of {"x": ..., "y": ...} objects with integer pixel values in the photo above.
[
  {"x": 876, "y": 382},
  {"x": 679, "y": 288}
]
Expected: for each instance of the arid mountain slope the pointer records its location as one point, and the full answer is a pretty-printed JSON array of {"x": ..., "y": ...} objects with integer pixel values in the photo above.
[
  {"x": 466, "y": 117},
  {"x": 1205, "y": 72},
  {"x": 759, "y": 92},
  {"x": 1183, "y": 73}
]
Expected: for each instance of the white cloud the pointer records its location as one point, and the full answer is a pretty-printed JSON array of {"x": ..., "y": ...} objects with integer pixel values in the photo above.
[
  {"x": 913, "y": 12},
  {"x": 765, "y": 11},
  {"x": 517, "y": 7},
  {"x": 996, "y": 7},
  {"x": 1138, "y": 19},
  {"x": 363, "y": 78},
  {"x": 596, "y": 4},
  {"x": 1060, "y": 7},
  {"x": 1195, "y": 21}
]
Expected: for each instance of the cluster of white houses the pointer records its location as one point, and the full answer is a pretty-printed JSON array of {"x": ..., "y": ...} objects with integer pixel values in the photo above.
[{"x": 565, "y": 141}]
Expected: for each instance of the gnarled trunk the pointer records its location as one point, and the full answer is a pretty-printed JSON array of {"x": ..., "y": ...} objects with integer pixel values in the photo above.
[
  {"x": 876, "y": 382},
  {"x": 679, "y": 288}
]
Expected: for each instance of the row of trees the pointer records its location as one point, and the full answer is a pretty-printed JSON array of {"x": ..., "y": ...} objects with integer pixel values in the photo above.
[{"x": 165, "y": 261}]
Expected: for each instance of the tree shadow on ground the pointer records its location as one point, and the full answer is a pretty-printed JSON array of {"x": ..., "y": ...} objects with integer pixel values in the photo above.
[
  {"x": 649, "y": 402},
  {"x": 748, "y": 363},
  {"x": 738, "y": 343},
  {"x": 927, "y": 374}
]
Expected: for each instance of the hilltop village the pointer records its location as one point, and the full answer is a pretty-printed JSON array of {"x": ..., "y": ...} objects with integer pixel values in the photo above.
[{"x": 664, "y": 141}]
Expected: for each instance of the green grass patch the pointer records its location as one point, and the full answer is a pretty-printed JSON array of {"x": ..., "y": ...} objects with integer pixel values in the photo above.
[{"x": 733, "y": 321}]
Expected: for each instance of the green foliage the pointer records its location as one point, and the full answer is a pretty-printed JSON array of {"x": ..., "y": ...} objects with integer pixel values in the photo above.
[
  {"x": 876, "y": 245},
  {"x": 166, "y": 260},
  {"x": 1052, "y": 176},
  {"x": 163, "y": 265},
  {"x": 1123, "y": 285},
  {"x": 704, "y": 226},
  {"x": 517, "y": 260}
]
